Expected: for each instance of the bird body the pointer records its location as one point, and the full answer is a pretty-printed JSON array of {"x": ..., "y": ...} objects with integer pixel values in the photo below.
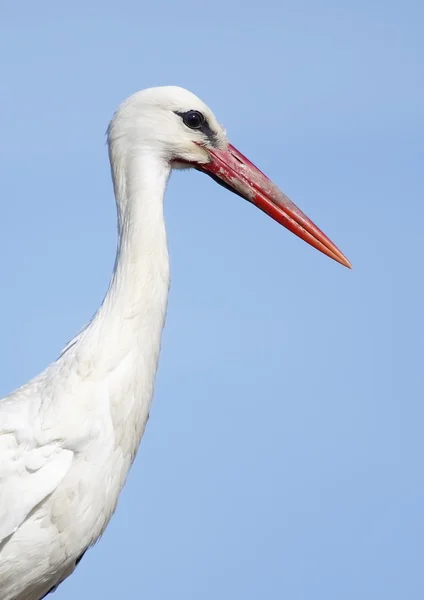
[{"x": 69, "y": 436}]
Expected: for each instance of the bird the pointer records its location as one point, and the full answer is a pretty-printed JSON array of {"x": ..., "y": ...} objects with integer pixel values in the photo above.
[{"x": 69, "y": 436}]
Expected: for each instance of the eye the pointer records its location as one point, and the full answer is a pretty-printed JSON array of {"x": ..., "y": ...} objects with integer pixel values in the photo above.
[{"x": 193, "y": 119}]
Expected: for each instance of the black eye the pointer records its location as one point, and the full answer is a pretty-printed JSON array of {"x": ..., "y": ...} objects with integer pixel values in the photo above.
[{"x": 193, "y": 119}]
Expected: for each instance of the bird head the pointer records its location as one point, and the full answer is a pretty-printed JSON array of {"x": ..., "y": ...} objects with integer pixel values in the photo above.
[{"x": 175, "y": 126}]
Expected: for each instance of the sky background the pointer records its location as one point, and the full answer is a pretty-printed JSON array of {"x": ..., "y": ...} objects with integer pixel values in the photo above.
[{"x": 284, "y": 454}]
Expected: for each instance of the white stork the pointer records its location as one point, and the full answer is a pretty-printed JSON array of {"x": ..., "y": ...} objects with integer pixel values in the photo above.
[{"x": 68, "y": 436}]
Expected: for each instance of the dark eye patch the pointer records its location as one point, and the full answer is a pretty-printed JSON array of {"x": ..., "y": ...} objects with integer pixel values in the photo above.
[{"x": 194, "y": 119}]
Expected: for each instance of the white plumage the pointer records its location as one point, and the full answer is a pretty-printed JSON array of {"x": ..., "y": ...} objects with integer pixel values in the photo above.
[{"x": 69, "y": 436}]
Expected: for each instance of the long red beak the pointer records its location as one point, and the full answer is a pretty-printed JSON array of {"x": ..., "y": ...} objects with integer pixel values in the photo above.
[{"x": 236, "y": 173}]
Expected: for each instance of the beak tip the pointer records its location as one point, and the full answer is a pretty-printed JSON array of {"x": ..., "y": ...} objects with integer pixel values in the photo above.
[{"x": 346, "y": 263}]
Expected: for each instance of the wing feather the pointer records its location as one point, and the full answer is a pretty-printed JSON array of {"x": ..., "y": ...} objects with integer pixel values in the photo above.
[{"x": 27, "y": 477}]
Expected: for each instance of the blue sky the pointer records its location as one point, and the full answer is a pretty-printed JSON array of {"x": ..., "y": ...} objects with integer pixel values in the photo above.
[{"x": 283, "y": 457}]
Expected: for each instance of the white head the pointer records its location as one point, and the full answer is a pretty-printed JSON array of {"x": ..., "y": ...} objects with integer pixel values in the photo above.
[
  {"x": 173, "y": 127},
  {"x": 169, "y": 122}
]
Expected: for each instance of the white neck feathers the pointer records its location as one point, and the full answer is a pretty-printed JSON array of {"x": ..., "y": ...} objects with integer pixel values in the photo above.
[{"x": 131, "y": 317}]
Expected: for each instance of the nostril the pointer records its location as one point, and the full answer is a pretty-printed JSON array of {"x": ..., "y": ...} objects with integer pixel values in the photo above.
[{"x": 237, "y": 158}]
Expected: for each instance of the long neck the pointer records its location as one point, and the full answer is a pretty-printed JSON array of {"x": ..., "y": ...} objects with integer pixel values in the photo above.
[
  {"x": 124, "y": 335},
  {"x": 107, "y": 372}
]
